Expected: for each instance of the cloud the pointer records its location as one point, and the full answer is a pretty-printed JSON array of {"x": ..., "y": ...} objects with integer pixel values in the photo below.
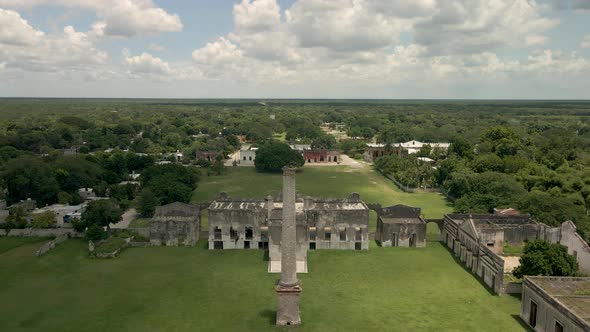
[
  {"x": 146, "y": 63},
  {"x": 571, "y": 4},
  {"x": 585, "y": 42},
  {"x": 116, "y": 17},
  {"x": 14, "y": 30},
  {"x": 24, "y": 47},
  {"x": 221, "y": 51},
  {"x": 460, "y": 27}
]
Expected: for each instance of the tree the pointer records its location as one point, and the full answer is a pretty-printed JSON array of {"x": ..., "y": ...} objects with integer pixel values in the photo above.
[
  {"x": 169, "y": 191},
  {"x": 550, "y": 209},
  {"x": 16, "y": 219},
  {"x": 542, "y": 258},
  {"x": 218, "y": 166},
  {"x": 29, "y": 177},
  {"x": 147, "y": 203},
  {"x": 425, "y": 151},
  {"x": 325, "y": 141},
  {"x": 102, "y": 212},
  {"x": 44, "y": 220},
  {"x": 273, "y": 156}
]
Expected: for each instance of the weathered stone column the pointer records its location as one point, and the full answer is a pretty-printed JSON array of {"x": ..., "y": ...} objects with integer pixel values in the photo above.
[{"x": 288, "y": 288}]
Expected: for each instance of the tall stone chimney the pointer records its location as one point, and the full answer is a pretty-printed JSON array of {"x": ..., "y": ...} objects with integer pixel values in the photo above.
[{"x": 288, "y": 287}]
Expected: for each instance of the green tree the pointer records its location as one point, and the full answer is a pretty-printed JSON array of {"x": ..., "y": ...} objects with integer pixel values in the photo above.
[
  {"x": 541, "y": 258},
  {"x": 29, "y": 177},
  {"x": 102, "y": 212},
  {"x": 43, "y": 220},
  {"x": 218, "y": 166},
  {"x": 16, "y": 219},
  {"x": 147, "y": 203},
  {"x": 273, "y": 156}
]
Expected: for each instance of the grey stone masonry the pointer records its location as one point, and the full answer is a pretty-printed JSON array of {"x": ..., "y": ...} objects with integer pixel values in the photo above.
[
  {"x": 175, "y": 224},
  {"x": 288, "y": 288},
  {"x": 288, "y": 235}
]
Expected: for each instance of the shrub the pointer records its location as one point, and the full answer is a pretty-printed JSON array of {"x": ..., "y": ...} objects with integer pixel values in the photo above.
[{"x": 95, "y": 233}]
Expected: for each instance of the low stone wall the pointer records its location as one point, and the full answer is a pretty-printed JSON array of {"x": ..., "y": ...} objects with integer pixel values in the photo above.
[
  {"x": 113, "y": 254},
  {"x": 45, "y": 248},
  {"x": 44, "y": 232},
  {"x": 3, "y": 232},
  {"x": 139, "y": 244},
  {"x": 512, "y": 287}
]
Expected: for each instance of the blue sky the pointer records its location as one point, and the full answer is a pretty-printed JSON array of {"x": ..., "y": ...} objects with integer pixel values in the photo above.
[{"x": 520, "y": 49}]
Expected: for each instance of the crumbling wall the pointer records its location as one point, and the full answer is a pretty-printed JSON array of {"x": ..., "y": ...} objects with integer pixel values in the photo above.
[
  {"x": 576, "y": 246},
  {"x": 46, "y": 247},
  {"x": 174, "y": 232},
  {"x": 44, "y": 232}
]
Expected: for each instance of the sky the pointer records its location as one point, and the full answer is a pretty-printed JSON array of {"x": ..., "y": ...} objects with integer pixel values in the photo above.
[{"x": 384, "y": 49}]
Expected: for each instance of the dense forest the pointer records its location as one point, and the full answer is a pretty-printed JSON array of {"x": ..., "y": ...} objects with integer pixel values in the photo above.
[{"x": 531, "y": 155}]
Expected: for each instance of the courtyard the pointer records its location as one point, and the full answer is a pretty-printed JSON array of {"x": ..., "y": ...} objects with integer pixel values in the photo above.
[{"x": 188, "y": 289}]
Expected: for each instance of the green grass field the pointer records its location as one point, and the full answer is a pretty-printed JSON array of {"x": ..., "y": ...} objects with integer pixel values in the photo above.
[
  {"x": 188, "y": 289},
  {"x": 326, "y": 181},
  {"x": 192, "y": 289}
]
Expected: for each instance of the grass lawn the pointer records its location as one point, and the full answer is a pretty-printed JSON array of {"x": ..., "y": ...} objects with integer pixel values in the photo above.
[
  {"x": 139, "y": 223},
  {"x": 334, "y": 182},
  {"x": 189, "y": 289},
  {"x": 328, "y": 181},
  {"x": 9, "y": 243}
]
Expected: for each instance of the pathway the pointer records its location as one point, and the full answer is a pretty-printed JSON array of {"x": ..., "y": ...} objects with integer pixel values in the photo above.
[{"x": 127, "y": 217}]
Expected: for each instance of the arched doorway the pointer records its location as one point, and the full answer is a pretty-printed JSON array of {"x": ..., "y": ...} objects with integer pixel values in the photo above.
[{"x": 433, "y": 230}]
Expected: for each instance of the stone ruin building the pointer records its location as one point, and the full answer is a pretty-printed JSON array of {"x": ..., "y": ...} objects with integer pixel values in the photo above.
[
  {"x": 175, "y": 224},
  {"x": 556, "y": 303},
  {"x": 478, "y": 241},
  {"x": 400, "y": 226},
  {"x": 320, "y": 224},
  {"x": 313, "y": 156}
]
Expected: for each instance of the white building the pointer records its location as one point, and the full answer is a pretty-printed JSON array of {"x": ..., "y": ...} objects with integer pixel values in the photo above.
[
  {"x": 414, "y": 146},
  {"x": 248, "y": 156}
]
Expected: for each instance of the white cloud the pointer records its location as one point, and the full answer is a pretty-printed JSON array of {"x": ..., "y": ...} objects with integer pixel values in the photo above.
[
  {"x": 23, "y": 47},
  {"x": 147, "y": 64},
  {"x": 14, "y": 30},
  {"x": 221, "y": 51},
  {"x": 460, "y": 27},
  {"x": 585, "y": 42},
  {"x": 117, "y": 17}
]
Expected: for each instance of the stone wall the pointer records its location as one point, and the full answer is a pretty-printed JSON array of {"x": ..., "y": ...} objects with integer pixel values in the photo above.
[
  {"x": 404, "y": 233},
  {"x": 576, "y": 246},
  {"x": 44, "y": 232},
  {"x": 549, "y": 310},
  {"x": 46, "y": 247},
  {"x": 512, "y": 287}
]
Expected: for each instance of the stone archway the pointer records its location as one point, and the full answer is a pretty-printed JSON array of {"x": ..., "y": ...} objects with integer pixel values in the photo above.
[{"x": 439, "y": 224}]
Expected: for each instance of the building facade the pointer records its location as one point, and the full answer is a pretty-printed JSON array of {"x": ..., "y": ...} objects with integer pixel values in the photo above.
[
  {"x": 560, "y": 304},
  {"x": 247, "y": 156},
  {"x": 478, "y": 241},
  {"x": 321, "y": 156},
  {"x": 400, "y": 226},
  {"x": 321, "y": 223},
  {"x": 175, "y": 224}
]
